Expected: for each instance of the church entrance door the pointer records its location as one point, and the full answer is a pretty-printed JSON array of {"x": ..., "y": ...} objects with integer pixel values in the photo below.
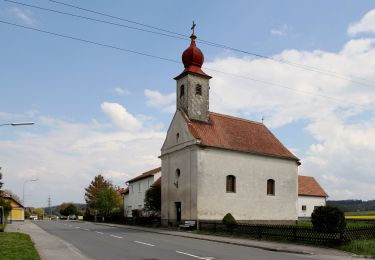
[{"x": 178, "y": 211}]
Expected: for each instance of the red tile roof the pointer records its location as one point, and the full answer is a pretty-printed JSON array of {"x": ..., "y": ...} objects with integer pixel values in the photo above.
[
  {"x": 238, "y": 134},
  {"x": 146, "y": 174},
  {"x": 308, "y": 186},
  {"x": 157, "y": 183},
  {"x": 124, "y": 190}
]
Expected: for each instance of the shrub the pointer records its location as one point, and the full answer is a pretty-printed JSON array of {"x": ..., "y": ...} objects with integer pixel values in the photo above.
[
  {"x": 328, "y": 219},
  {"x": 229, "y": 220},
  {"x": 2, "y": 228}
]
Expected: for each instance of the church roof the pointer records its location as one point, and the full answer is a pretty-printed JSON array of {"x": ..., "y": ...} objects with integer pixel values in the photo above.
[
  {"x": 308, "y": 186},
  {"x": 232, "y": 133},
  {"x": 146, "y": 174}
]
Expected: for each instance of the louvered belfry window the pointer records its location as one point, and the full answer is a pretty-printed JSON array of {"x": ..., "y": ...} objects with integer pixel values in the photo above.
[
  {"x": 270, "y": 187},
  {"x": 198, "y": 90},
  {"x": 231, "y": 183}
]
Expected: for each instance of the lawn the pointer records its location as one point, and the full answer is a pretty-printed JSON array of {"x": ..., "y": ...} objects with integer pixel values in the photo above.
[
  {"x": 17, "y": 246},
  {"x": 360, "y": 247}
]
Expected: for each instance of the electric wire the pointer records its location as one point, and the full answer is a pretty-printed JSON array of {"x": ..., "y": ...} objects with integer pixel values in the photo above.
[
  {"x": 175, "y": 61},
  {"x": 294, "y": 64}
]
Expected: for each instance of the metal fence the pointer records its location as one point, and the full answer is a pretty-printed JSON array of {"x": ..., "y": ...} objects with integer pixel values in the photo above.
[{"x": 291, "y": 232}]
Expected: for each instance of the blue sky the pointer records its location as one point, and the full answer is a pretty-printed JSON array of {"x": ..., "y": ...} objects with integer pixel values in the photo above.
[{"x": 99, "y": 110}]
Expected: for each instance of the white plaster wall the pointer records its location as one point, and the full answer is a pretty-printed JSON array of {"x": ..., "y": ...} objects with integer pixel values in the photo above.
[
  {"x": 179, "y": 154},
  {"x": 137, "y": 192},
  {"x": 310, "y": 202},
  {"x": 250, "y": 202}
]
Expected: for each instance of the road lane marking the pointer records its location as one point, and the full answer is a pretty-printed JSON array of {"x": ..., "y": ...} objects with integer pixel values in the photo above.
[
  {"x": 143, "y": 243},
  {"x": 86, "y": 229},
  {"x": 101, "y": 233},
  {"x": 195, "y": 256},
  {"x": 78, "y": 227},
  {"x": 115, "y": 236}
]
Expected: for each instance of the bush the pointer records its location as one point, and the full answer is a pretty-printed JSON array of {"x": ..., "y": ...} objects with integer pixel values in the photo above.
[
  {"x": 2, "y": 227},
  {"x": 229, "y": 220},
  {"x": 328, "y": 219}
]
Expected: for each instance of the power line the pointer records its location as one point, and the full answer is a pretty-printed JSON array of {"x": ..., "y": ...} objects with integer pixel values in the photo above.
[
  {"x": 294, "y": 64},
  {"x": 175, "y": 61}
]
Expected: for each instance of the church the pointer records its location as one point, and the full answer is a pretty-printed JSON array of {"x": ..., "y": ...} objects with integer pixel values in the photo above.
[{"x": 214, "y": 164}]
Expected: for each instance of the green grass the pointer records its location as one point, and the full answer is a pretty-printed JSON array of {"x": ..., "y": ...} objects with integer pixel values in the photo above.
[
  {"x": 360, "y": 247},
  {"x": 17, "y": 246},
  {"x": 357, "y": 224}
]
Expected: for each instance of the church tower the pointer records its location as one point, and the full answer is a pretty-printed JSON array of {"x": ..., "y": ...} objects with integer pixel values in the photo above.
[{"x": 193, "y": 84}]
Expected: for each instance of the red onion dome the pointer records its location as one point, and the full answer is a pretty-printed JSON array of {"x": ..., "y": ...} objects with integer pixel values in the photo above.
[{"x": 192, "y": 56}]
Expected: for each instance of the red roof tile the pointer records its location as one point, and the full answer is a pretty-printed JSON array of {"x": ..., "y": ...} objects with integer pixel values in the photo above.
[
  {"x": 308, "y": 186},
  {"x": 238, "y": 134},
  {"x": 157, "y": 183},
  {"x": 146, "y": 174}
]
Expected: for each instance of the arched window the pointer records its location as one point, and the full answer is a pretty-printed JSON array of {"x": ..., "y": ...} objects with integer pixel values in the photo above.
[
  {"x": 177, "y": 137},
  {"x": 231, "y": 183},
  {"x": 182, "y": 90},
  {"x": 270, "y": 187},
  {"x": 198, "y": 90},
  {"x": 178, "y": 174}
]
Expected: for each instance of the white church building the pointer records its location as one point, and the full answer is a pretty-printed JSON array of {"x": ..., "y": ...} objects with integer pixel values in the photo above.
[{"x": 213, "y": 164}]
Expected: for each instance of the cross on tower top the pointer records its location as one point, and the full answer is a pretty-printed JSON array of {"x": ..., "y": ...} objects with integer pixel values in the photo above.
[{"x": 193, "y": 27}]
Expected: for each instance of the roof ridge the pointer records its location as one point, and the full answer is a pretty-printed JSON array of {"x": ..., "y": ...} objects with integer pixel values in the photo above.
[{"x": 237, "y": 118}]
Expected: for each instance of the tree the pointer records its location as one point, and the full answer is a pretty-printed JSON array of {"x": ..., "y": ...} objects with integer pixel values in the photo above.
[
  {"x": 1, "y": 176},
  {"x": 328, "y": 219},
  {"x": 108, "y": 201},
  {"x": 67, "y": 209},
  {"x": 153, "y": 200},
  {"x": 39, "y": 212},
  {"x": 93, "y": 189},
  {"x": 6, "y": 205},
  {"x": 13, "y": 195}
]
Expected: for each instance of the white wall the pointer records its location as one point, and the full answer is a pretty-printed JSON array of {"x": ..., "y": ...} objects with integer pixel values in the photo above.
[
  {"x": 250, "y": 201},
  {"x": 310, "y": 202},
  {"x": 137, "y": 191}
]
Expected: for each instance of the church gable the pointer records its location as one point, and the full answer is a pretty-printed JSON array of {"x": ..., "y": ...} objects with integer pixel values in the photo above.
[{"x": 178, "y": 134}]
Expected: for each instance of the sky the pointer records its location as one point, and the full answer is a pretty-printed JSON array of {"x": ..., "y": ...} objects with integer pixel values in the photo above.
[{"x": 100, "y": 109}]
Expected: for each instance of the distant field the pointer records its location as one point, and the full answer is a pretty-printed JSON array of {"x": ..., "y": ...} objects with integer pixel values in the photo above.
[{"x": 361, "y": 213}]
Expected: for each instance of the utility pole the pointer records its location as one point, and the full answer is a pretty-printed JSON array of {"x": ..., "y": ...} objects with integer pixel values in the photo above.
[{"x": 49, "y": 206}]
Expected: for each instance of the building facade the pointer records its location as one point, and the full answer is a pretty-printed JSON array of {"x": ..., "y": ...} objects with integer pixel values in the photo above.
[
  {"x": 310, "y": 196},
  {"x": 214, "y": 164},
  {"x": 134, "y": 195}
]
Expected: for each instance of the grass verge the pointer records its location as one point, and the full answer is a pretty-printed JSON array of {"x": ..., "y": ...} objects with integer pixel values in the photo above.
[
  {"x": 360, "y": 247},
  {"x": 17, "y": 246}
]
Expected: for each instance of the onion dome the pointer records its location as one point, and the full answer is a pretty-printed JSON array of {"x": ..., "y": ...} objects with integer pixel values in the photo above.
[{"x": 192, "y": 58}]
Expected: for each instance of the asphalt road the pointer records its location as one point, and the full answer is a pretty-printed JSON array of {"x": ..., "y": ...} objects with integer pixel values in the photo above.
[{"x": 105, "y": 242}]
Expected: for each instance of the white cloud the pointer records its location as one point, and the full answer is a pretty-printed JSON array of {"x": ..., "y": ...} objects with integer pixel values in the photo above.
[
  {"x": 121, "y": 91},
  {"x": 281, "y": 31},
  {"x": 66, "y": 156},
  {"x": 164, "y": 102},
  {"x": 24, "y": 15},
  {"x": 365, "y": 25},
  {"x": 121, "y": 117}
]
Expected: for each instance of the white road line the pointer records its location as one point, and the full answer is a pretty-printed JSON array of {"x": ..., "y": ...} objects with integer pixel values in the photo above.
[
  {"x": 101, "y": 233},
  {"x": 86, "y": 229},
  {"x": 195, "y": 256},
  {"x": 115, "y": 236},
  {"x": 143, "y": 243},
  {"x": 78, "y": 227}
]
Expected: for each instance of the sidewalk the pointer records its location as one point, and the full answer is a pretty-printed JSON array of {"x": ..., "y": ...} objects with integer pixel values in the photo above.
[
  {"x": 323, "y": 253},
  {"x": 47, "y": 245}
]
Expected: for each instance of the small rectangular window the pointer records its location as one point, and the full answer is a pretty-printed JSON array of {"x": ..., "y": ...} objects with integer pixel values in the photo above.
[
  {"x": 198, "y": 90},
  {"x": 139, "y": 187},
  {"x": 182, "y": 90},
  {"x": 304, "y": 207}
]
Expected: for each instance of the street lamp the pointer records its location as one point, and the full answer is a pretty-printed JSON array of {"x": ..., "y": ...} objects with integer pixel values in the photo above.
[
  {"x": 18, "y": 124},
  {"x": 23, "y": 190}
]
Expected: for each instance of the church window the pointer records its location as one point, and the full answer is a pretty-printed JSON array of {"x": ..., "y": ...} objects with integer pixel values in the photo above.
[
  {"x": 182, "y": 91},
  {"x": 304, "y": 207},
  {"x": 177, "y": 137},
  {"x": 178, "y": 174},
  {"x": 231, "y": 183},
  {"x": 270, "y": 187},
  {"x": 198, "y": 90}
]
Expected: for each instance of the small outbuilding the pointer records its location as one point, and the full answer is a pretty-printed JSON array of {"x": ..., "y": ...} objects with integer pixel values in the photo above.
[{"x": 310, "y": 196}]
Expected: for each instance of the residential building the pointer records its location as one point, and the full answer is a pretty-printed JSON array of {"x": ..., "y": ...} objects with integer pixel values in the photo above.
[
  {"x": 310, "y": 196},
  {"x": 17, "y": 212},
  {"x": 213, "y": 164},
  {"x": 134, "y": 195}
]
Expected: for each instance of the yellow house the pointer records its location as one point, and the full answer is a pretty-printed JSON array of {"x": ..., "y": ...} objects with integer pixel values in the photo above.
[{"x": 18, "y": 212}]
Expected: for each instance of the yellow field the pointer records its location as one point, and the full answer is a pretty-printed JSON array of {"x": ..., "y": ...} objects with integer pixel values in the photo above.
[{"x": 360, "y": 217}]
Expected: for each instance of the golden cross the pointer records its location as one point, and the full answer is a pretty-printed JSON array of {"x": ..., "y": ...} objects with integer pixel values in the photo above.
[{"x": 193, "y": 27}]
